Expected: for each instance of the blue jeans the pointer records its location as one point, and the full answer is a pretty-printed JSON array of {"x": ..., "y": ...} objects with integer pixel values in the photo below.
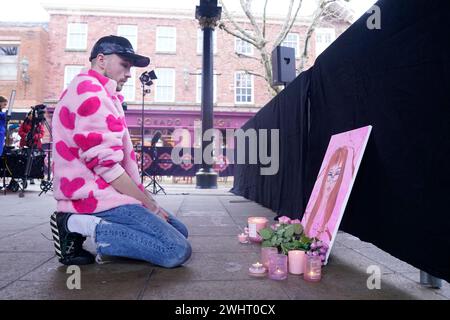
[{"x": 132, "y": 231}]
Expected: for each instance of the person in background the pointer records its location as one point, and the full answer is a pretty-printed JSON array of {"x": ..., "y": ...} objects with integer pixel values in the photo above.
[
  {"x": 3, "y": 104},
  {"x": 25, "y": 133}
]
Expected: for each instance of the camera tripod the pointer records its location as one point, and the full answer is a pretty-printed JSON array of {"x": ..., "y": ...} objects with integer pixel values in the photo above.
[{"x": 155, "y": 186}]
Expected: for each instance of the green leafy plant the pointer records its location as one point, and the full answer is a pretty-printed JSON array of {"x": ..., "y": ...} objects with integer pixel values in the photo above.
[{"x": 286, "y": 236}]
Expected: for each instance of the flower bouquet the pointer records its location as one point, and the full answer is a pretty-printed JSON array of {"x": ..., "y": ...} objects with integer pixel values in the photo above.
[{"x": 289, "y": 235}]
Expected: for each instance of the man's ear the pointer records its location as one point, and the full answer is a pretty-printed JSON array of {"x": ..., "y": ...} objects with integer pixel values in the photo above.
[{"x": 100, "y": 61}]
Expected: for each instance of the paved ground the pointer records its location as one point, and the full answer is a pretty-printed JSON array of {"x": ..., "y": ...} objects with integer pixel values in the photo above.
[{"x": 217, "y": 269}]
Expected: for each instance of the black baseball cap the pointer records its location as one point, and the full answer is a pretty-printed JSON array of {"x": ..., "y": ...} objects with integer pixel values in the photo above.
[{"x": 120, "y": 46}]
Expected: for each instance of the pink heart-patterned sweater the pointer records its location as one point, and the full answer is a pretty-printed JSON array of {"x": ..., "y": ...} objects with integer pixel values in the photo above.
[{"x": 91, "y": 146}]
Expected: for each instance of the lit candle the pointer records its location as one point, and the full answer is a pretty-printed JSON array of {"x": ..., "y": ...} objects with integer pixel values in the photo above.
[
  {"x": 254, "y": 225},
  {"x": 243, "y": 238},
  {"x": 278, "y": 267},
  {"x": 313, "y": 269},
  {"x": 296, "y": 261},
  {"x": 257, "y": 270}
]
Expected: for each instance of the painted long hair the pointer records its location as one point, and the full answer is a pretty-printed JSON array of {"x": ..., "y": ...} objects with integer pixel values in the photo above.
[{"x": 338, "y": 158}]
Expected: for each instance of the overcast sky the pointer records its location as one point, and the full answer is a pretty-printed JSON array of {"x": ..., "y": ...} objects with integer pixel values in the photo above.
[{"x": 31, "y": 10}]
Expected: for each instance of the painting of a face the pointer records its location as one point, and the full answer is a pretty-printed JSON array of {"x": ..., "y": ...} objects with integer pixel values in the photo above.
[
  {"x": 332, "y": 177},
  {"x": 334, "y": 183}
]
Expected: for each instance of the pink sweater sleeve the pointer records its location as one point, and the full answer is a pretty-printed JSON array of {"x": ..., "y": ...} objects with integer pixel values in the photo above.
[{"x": 98, "y": 131}]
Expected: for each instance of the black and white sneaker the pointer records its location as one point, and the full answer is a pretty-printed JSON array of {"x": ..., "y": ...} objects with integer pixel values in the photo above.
[{"x": 68, "y": 245}]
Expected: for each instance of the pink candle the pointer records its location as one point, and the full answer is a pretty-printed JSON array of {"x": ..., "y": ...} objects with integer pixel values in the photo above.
[
  {"x": 296, "y": 261},
  {"x": 254, "y": 225},
  {"x": 278, "y": 267},
  {"x": 265, "y": 255}
]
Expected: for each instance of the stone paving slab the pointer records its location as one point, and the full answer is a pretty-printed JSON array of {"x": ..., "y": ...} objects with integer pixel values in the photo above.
[
  {"x": 415, "y": 277},
  {"x": 386, "y": 259},
  {"x": 218, "y": 268},
  {"x": 14, "y": 265},
  {"x": 210, "y": 266},
  {"x": 36, "y": 239},
  {"x": 215, "y": 290},
  {"x": 116, "y": 270},
  {"x": 217, "y": 243},
  {"x": 115, "y": 290}
]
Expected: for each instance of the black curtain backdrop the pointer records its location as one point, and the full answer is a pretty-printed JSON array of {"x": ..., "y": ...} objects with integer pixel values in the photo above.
[{"x": 397, "y": 80}]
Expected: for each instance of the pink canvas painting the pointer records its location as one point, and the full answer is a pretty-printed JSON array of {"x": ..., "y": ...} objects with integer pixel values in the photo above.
[{"x": 334, "y": 183}]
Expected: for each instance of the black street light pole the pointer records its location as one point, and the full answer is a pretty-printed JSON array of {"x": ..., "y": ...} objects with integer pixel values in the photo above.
[{"x": 207, "y": 14}]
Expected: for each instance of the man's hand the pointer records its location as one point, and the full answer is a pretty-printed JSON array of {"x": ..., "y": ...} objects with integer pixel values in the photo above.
[
  {"x": 163, "y": 214},
  {"x": 154, "y": 207},
  {"x": 151, "y": 205}
]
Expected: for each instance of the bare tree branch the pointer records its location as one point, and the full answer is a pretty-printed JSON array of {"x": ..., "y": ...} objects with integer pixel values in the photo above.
[
  {"x": 245, "y": 35},
  {"x": 286, "y": 22},
  {"x": 326, "y": 11},
  {"x": 240, "y": 55},
  {"x": 255, "y": 74},
  {"x": 316, "y": 19},
  {"x": 246, "y": 7},
  {"x": 283, "y": 35},
  {"x": 243, "y": 38},
  {"x": 264, "y": 20}
]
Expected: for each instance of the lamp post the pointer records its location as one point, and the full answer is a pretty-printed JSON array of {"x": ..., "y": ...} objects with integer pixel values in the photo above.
[{"x": 207, "y": 14}]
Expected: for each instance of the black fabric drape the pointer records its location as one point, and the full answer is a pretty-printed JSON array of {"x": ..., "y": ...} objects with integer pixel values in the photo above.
[
  {"x": 287, "y": 112},
  {"x": 397, "y": 80}
]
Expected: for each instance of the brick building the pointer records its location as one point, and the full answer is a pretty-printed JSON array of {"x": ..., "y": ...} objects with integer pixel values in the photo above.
[
  {"x": 23, "y": 54},
  {"x": 172, "y": 39}
]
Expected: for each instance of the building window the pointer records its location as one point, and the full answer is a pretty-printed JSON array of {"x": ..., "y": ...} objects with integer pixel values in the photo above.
[
  {"x": 166, "y": 39},
  {"x": 200, "y": 41},
  {"x": 9, "y": 54},
  {"x": 199, "y": 87},
  {"x": 71, "y": 72},
  {"x": 243, "y": 88},
  {"x": 76, "y": 36},
  {"x": 129, "y": 88},
  {"x": 291, "y": 41},
  {"x": 324, "y": 37},
  {"x": 243, "y": 47},
  {"x": 129, "y": 32},
  {"x": 165, "y": 85}
]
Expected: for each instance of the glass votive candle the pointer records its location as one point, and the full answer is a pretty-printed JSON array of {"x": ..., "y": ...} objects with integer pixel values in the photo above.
[
  {"x": 254, "y": 225},
  {"x": 278, "y": 266},
  {"x": 243, "y": 238},
  {"x": 313, "y": 268},
  {"x": 257, "y": 270},
  {"x": 296, "y": 261},
  {"x": 265, "y": 255}
]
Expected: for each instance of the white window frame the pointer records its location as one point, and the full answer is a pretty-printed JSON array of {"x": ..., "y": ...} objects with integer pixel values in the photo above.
[
  {"x": 239, "y": 43},
  {"x": 322, "y": 45},
  {"x": 172, "y": 39},
  {"x": 131, "y": 86},
  {"x": 130, "y": 32},
  {"x": 82, "y": 45},
  {"x": 76, "y": 69},
  {"x": 236, "y": 88},
  {"x": 292, "y": 43},
  {"x": 158, "y": 85},
  {"x": 200, "y": 41},
  {"x": 199, "y": 87},
  {"x": 10, "y": 63}
]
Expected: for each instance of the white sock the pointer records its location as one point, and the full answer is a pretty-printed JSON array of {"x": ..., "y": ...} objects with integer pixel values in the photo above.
[{"x": 83, "y": 224}]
